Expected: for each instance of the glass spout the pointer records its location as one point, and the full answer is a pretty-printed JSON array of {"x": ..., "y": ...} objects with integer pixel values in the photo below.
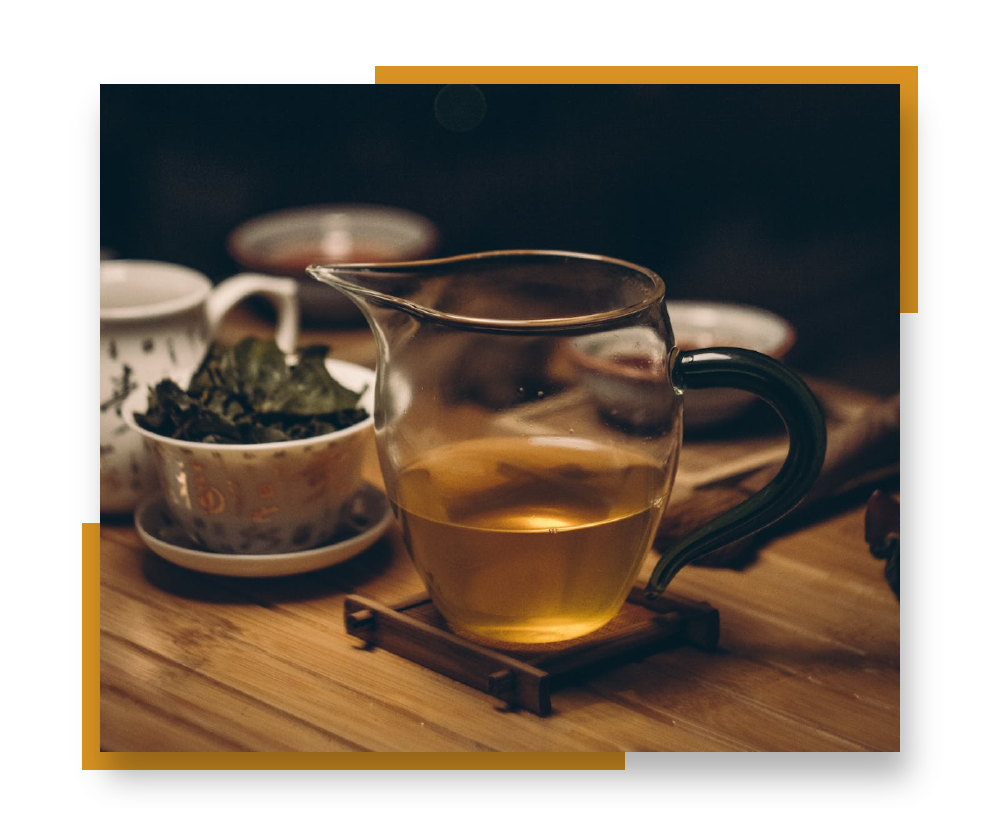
[{"x": 517, "y": 291}]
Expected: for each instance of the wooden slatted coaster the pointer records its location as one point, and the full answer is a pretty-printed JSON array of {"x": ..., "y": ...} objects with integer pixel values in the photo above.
[{"x": 522, "y": 678}]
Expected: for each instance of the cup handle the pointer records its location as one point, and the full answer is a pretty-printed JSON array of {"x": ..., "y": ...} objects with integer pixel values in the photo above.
[
  {"x": 282, "y": 292},
  {"x": 795, "y": 404}
]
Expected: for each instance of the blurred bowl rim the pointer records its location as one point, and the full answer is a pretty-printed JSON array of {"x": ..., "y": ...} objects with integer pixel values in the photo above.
[
  {"x": 713, "y": 310},
  {"x": 681, "y": 313},
  {"x": 242, "y": 242}
]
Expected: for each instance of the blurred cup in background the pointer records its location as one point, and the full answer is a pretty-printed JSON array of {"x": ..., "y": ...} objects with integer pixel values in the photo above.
[{"x": 286, "y": 241}]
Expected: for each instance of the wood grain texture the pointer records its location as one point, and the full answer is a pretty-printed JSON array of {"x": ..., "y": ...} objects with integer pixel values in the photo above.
[{"x": 808, "y": 657}]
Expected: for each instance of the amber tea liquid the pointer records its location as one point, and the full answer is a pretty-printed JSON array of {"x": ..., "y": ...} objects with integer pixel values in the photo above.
[{"x": 529, "y": 540}]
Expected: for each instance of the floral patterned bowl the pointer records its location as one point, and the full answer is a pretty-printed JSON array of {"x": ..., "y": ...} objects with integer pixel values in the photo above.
[{"x": 269, "y": 498}]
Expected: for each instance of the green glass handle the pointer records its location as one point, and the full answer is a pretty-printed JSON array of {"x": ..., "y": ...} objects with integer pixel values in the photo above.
[{"x": 795, "y": 404}]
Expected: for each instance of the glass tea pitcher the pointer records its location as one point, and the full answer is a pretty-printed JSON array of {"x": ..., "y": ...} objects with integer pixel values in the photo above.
[{"x": 529, "y": 471}]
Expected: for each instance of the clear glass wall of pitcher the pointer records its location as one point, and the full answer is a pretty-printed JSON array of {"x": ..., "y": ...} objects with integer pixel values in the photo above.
[{"x": 528, "y": 420}]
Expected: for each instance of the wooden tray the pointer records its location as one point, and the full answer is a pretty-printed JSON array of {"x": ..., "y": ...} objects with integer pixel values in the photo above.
[{"x": 415, "y": 630}]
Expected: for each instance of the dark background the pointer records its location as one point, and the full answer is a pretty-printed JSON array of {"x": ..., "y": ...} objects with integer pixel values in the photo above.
[{"x": 783, "y": 196}]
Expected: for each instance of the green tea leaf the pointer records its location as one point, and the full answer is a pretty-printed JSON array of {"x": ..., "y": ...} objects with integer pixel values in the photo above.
[
  {"x": 311, "y": 389},
  {"x": 249, "y": 394}
]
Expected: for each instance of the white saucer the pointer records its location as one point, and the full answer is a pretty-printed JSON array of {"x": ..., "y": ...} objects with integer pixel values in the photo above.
[{"x": 370, "y": 512}]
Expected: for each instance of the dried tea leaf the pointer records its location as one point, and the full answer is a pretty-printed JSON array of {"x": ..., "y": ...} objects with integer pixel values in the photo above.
[
  {"x": 249, "y": 394},
  {"x": 311, "y": 389}
]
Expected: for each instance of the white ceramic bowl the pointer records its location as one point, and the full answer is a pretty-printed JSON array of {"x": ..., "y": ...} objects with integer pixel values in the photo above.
[
  {"x": 285, "y": 242},
  {"x": 625, "y": 390},
  {"x": 703, "y": 324},
  {"x": 269, "y": 498}
]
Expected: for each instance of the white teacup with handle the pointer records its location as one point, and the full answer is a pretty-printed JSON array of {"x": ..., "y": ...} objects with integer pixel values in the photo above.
[{"x": 157, "y": 321}]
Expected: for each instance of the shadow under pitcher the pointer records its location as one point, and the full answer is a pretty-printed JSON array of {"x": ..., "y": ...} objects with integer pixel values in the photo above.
[{"x": 528, "y": 473}]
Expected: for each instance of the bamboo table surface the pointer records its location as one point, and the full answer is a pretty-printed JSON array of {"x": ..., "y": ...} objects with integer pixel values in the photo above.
[{"x": 808, "y": 656}]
